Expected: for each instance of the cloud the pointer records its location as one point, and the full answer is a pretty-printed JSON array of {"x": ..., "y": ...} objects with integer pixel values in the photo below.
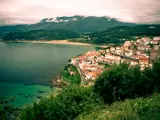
[{"x": 31, "y": 11}]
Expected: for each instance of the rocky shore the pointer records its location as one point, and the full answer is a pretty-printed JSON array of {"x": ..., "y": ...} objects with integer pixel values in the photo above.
[{"x": 57, "y": 81}]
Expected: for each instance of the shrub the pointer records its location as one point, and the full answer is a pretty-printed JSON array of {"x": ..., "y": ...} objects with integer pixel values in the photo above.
[
  {"x": 67, "y": 105},
  {"x": 118, "y": 83},
  {"x": 136, "y": 109}
]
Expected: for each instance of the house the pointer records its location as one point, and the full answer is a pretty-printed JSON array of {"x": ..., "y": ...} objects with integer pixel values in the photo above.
[
  {"x": 124, "y": 47},
  {"x": 156, "y": 47},
  {"x": 92, "y": 68},
  {"x": 110, "y": 56},
  {"x": 107, "y": 50},
  {"x": 91, "y": 75},
  {"x": 118, "y": 51},
  {"x": 112, "y": 49},
  {"x": 118, "y": 48},
  {"x": 138, "y": 40},
  {"x": 144, "y": 61},
  {"x": 88, "y": 77},
  {"x": 111, "y": 59},
  {"x": 102, "y": 51},
  {"x": 128, "y": 53},
  {"x": 153, "y": 54},
  {"x": 100, "y": 59},
  {"x": 145, "y": 40},
  {"x": 127, "y": 44},
  {"x": 91, "y": 83},
  {"x": 141, "y": 47},
  {"x": 134, "y": 56},
  {"x": 154, "y": 42},
  {"x": 133, "y": 62},
  {"x": 156, "y": 38},
  {"x": 73, "y": 61},
  {"x": 138, "y": 52}
]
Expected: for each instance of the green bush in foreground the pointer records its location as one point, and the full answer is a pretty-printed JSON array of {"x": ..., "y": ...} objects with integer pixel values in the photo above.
[
  {"x": 67, "y": 105},
  {"x": 122, "y": 82},
  {"x": 118, "y": 83},
  {"x": 136, "y": 109}
]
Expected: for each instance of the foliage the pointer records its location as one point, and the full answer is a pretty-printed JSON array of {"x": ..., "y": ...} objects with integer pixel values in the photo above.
[
  {"x": 151, "y": 79},
  {"x": 122, "y": 82},
  {"x": 118, "y": 34},
  {"x": 41, "y": 35},
  {"x": 3, "y": 115},
  {"x": 118, "y": 83},
  {"x": 136, "y": 109},
  {"x": 7, "y": 110},
  {"x": 67, "y": 105},
  {"x": 81, "y": 25},
  {"x": 66, "y": 75}
]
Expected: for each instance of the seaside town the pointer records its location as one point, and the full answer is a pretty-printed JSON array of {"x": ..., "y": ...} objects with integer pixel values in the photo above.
[{"x": 140, "y": 52}]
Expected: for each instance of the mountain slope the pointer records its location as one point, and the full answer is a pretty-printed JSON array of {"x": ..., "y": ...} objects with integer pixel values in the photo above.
[
  {"x": 41, "y": 35},
  {"x": 79, "y": 24},
  {"x": 117, "y": 34}
]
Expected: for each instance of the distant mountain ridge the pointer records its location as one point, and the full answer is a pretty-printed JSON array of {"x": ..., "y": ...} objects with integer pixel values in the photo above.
[
  {"x": 74, "y": 18},
  {"x": 80, "y": 24},
  {"x": 118, "y": 34},
  {"x": 41, "y": 35}
]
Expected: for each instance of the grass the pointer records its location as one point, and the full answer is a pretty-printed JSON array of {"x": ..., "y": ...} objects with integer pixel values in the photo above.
[
  {"x": 72, "y": 79},
  {"x": 136, "y": 109}
]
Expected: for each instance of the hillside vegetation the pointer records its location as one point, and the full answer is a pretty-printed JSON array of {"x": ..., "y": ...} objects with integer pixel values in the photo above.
[
  {"x": 118, "y": 34},
  {"x": 41, "y": 35},
  {"x": 80, "y": 24},
  {"x": 122, "y": 93},
  {"x": 130, "y": 109}
]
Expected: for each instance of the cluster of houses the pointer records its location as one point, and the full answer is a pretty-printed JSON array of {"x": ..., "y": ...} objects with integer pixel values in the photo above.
[{"x": 139, "y": 52}]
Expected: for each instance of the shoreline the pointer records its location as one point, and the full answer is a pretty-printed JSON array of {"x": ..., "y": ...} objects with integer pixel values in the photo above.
[
  {"x": 61, "y": 42},
  {"x": 65, "y": 42}
]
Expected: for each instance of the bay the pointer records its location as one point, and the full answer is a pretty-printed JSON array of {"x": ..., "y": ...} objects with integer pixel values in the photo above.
[{"x": 26, "y": 68}]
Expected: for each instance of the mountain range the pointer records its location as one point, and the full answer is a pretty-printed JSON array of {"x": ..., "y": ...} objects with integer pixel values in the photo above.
[{"x": 79, "y": 24}]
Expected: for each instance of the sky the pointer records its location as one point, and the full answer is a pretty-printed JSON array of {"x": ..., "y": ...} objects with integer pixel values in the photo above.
[{"x": 32, "y": 11}]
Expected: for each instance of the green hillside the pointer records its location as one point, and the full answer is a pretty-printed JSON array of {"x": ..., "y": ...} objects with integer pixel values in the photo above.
[
  {"x": 79, "y": 24},
  {"x": 41, "y": 35},
  {"x": 134, "y": 109},
  {"x": 117, "y": 34},
  {"x": 121, "y": 93}
]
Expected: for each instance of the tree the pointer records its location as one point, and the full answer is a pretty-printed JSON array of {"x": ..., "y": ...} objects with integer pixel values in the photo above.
[
  {"x": 151, "y": 78},
  {"x": 118, "y": 83},
  {"x": 67, "y": 105}
]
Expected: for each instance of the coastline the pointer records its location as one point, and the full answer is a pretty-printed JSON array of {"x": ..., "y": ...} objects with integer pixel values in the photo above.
[
  {"x": 63, "y": 42},
  {"x": 66, "y": 42}
]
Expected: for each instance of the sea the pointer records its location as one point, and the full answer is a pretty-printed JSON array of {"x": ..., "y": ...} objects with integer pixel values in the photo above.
[{"x": 27, "y": 68}]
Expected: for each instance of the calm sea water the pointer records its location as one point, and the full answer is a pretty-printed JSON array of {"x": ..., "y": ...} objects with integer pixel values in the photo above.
[{"x": 26, "y": 68}]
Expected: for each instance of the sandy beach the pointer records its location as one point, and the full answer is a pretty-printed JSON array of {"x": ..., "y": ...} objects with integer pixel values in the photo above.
[
  {"x": 65, "y": 42},
  {"x": 59, "y": 42}
]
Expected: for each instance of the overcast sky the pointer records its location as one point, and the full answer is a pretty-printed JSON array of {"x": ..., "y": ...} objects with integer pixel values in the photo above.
[{"x": 32, "y": 11}]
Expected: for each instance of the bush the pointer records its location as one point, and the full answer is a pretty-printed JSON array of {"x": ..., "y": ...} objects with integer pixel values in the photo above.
[
  {"x": 136, "y": 109},
  {"x": 67, "y": 105},
  {"x": 122, "y": 82},
  {"x": 118, "y": 83}
]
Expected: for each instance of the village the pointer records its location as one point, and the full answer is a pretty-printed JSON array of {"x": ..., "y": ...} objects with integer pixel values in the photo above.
[{"x": 140, "y": 52}]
